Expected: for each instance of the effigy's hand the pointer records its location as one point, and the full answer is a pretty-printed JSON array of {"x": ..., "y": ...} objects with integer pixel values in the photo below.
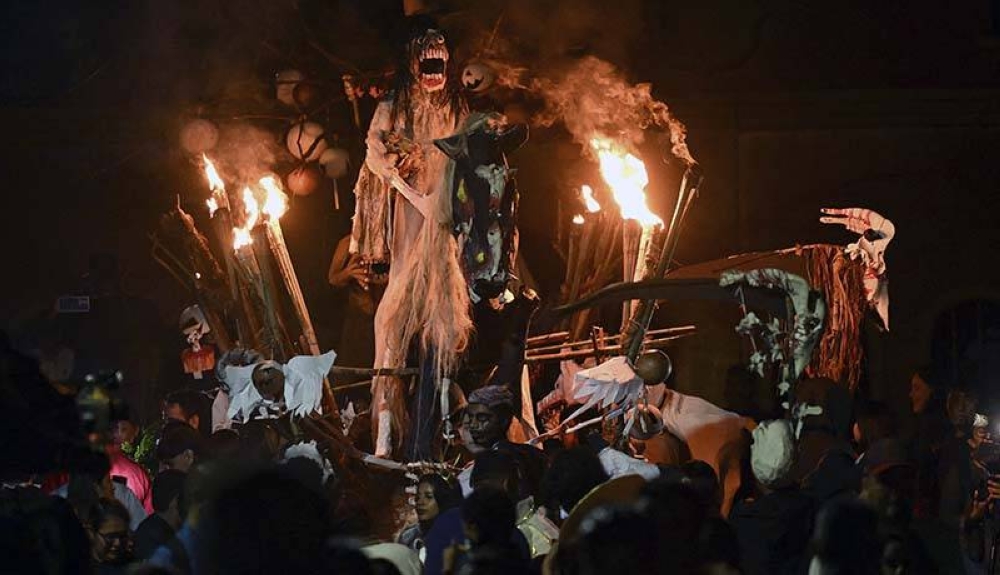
[{"x": 421, "y": 202}]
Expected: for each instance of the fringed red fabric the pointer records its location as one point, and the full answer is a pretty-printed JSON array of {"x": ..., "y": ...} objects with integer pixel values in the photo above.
[{"x": 839, "y": 353}]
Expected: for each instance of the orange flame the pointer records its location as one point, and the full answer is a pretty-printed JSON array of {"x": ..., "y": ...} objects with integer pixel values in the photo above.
[
  {"x": 213, "y": 206},
  {"x": 627, "y": 178},
  {"x": 588, "y": 198},
  {"x": 241, "y": 235},
  {"x": 215, "y": 183},
  {"x": 578, "y": 220},
  {"x": 276, "y": 202},
  {"x": 241, "y": 238}
]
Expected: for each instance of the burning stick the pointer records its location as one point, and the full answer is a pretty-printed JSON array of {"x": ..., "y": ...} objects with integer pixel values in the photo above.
[
  {"x": 579, "y": 270},
  {"x": 247, "y": 258},
  {"x": 632, "y": 342},
  {"x": 572, "y": 253},
  {"x": 220, "y": 213},
  {"x": 275, "y": 206},
  {"x": 626, "y": 176}
]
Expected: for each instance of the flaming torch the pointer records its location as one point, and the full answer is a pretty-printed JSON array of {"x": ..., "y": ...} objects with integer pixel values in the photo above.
[
  {"x": 219, "y": 198},
  {"x": 626, "y": 175},
  {"x": 275, "y": 205},
  {"x": 220, "y": 213}
]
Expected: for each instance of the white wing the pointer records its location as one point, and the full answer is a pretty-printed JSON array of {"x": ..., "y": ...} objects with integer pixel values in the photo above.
[
  {"x": 243, "y": 396},
  {"x": 612, "y": 382},
  {"x": 304, "y": 382}
]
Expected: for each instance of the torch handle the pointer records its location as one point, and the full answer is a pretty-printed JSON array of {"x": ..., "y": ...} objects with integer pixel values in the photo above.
[{"x": 639, "y": 323}]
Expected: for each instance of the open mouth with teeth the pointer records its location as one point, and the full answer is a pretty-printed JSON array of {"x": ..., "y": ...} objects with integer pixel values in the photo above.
[{"x": 432, "y": 65}]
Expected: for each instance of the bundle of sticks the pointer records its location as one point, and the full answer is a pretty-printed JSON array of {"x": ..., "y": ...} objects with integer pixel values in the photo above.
[
  {"x": 593, "y": 255},
  {"x": 559, "y": 347}
]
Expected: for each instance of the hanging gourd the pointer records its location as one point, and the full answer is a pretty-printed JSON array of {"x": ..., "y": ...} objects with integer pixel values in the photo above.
[
  {"x": 305, "y": 141},
  {"x": 304, "y": 180}
]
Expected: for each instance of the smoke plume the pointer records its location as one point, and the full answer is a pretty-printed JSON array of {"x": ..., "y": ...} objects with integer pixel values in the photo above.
[
  {"x": 593, "y": 98},
  {"x": 245, "y": 152}
]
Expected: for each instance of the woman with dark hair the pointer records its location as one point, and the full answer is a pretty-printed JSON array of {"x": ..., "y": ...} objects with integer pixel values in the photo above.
[
  {"x": 107, "y": 524},
  {"x": 435, "y": 495}
]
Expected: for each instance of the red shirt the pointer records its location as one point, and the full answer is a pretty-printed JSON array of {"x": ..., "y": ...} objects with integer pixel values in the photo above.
[{"x": 135, "y": 476}]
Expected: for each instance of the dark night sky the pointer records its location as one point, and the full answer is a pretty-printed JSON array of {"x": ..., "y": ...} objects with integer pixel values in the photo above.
[{"x": 93, "y": 94}]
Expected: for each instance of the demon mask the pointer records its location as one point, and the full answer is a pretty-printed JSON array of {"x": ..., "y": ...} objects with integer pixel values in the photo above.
[{"x": 429, "y": 59}]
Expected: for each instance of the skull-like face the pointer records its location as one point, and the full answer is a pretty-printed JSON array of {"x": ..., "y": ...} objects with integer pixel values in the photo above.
[{"x": 429, "y": 60}]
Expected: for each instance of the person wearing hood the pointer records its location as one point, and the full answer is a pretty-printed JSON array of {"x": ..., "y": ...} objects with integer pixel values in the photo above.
[
  {"x": 825, "y": 461},
  {"x": 876, "y": 438},
  {"x": 773, "y": 525}
]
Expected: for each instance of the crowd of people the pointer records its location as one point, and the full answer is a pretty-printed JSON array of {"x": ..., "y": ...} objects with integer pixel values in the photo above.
[{"x": 841, "y": 490}]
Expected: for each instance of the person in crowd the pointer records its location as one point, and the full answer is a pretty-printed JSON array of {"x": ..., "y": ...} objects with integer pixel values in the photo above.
[
  {"x": 927, "y": 401},
  {"x": 169, "y": 511},
  {"x": 679, "y": 517},
  {"x": 615, "y": 462},
  {"x": 191, "y": 407},
  {"x": 85, "y": 489},
  {"x": 573, "y": 473},
  {"x": 488, "y": 415},
  {"x": 498, "y": 470},
  {"x": 846, "y": 539},
  {"x": 393, "y": 559},
  {"x": 224, "y": 444},
  {"x": 132, "y": 473},
  {"x": 773, "y": 523},
  {"x": 824, "y": 465},
  {"x": 889, "y": 490},
  {"x": 702, "y": 478},
  {"x": 721, "y": 546},
  {"x": 267, "y": 522},
  {"x": 620, "y": 540},
  {"x": 364, "y": 285},
  {"x": 435, "y": 495},
  {"x": 179, "y": 446},
  {"x": 944, "y": 470},
  {"x": 489, "y": 525},
  {"x": 40, "y": 533},
  {"x": 123, "y": 431},
  {"x": 876, "y": 437},
  {"x": 107, "y": 524}
]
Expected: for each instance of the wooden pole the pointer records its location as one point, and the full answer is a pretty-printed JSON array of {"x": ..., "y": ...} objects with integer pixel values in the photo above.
[{"x": 280, "y": 250}]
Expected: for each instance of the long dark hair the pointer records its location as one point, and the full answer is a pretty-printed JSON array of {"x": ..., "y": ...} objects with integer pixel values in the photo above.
[
  {"x": 447, "y": 494},
  {"x": 450, "y": 95}
]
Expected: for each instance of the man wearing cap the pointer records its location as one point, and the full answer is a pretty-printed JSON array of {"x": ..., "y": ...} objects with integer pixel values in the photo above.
[
  {"x": 178, "y": 447},
  {"x": 487, "y": 416}
]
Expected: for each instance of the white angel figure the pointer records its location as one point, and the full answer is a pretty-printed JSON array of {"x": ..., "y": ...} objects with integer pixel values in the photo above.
[
  {"x": 875, "y": 234},
  {"x": 269, "y": 387}
]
